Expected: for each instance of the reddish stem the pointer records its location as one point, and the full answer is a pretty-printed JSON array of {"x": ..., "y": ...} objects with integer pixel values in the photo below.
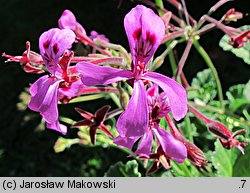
[
  {"x": 198, "y": 114},
  {"x": 96, "y": 90},
  {"x": 217, "y": 5},
  {"x": 174, "y": 17},
  {"x": 173, "y": 35},
  {"x": 184, "y": 81},
  {"x": 85, "y": 39},
  {"x": 184, "y": 58}
]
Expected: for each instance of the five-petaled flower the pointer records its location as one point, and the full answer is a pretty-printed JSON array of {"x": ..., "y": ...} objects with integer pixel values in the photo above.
[
  {"x": 94, "y": 121},
  {"x": 62, "y": 80},
  {"x": 158, "y": 106},
  {"x": 145, "y": 31}
]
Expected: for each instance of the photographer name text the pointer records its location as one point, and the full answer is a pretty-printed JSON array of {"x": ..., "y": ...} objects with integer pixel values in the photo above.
[{"x": 70, "y": 184}]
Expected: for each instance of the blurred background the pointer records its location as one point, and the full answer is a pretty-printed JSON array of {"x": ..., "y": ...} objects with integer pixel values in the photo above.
[{"x": 24, "y": 151}]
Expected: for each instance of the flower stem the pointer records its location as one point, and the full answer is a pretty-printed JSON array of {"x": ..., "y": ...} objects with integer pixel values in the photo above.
[
  {"x": 210, "y": 64},
  {"x": 185, "y": 12},
  {"x": 172, "y": 58},
  {"x": 113, "y": 113},
  {"x": 160, "y": 59},
  {"x": 86, "y": 39},
  {"x": 98, "y": 90},
  {"x": 246, "y": 114},
  {"x": 87, "y": 98},
  {"x": 177, "y": 169},
  {"x": 115, "y": 99},
  {"x": 188, "y": 128},
  {"x": 185, "y": 169},
  {"x": 184, "y": 58},
  {"x": 67, "y": 120},
  {"x": 217, "y": 5},
  {"x": 198, "y": 114}
]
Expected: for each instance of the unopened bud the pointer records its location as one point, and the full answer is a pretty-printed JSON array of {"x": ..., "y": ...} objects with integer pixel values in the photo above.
[
  {"x": 124, "y": 98},
  {"x": 157, "y": 62}
]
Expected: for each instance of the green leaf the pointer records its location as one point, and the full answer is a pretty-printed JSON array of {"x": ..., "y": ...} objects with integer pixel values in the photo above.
[
  {"x": 239, "y": 96},
  {"x": 242, "y": 164},
  {"x": 224, "y": 159},
  {"x": 203, "y": 87},
  {"x": 246, "y": 91},
  {"x": 130, "y": 169},
  {"x": 243, "y": 52}
]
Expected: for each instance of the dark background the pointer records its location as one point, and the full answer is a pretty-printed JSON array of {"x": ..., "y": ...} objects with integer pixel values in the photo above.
[{"x": 25, "y": 152}]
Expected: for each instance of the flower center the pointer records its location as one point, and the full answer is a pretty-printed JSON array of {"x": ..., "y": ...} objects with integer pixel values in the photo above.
[
  {"x": 143, "y": 48},
  {"x": 143, "y": 45}
]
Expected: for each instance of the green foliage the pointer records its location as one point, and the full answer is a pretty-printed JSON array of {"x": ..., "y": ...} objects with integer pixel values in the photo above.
[
  {"x": 243, "y": 52},
  {"x": 203, "y": 87},
  {"x": 242, "y": 164},
  {"x": 223, "y": 160},
  {"x": 130, "y": 169},
  {"x": 238, "y": 97}
]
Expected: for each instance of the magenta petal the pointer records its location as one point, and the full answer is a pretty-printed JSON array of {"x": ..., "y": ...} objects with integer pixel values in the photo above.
[
  {"x": 172, "y": 147},
  {"x": 44, "y": 99},
  {"x": 145, "y": 145},
  {"x": 93, "y": 74},
  {"x": 95, "y": 34},
  {"x": 133, "y": 121},
  {"x": 52, "y": 45},
  {"x": 152, "y": 95},
  {"x": 57, "y": 127},
  {"x": 71, "y": 91},
  {"x": 126, "y": 142},
  {"x": 38, "y": 91},
  {"x": 36, "y": 86},
  {"x": 67, "y": 20},
  {"x": 176, "y": 93},
  {"x": 143, "y": 27}
]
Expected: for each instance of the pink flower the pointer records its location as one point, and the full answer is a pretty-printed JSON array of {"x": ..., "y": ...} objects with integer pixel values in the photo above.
[
  {"x": 232, "y": 15},
  {"x": 31, "y": 62},
  {"x": 240, "y": 40},
  {"x": 94, "y": 34},
  {"x": 158, "y": 107},
  {"x": 145, "y": 31},
  {"x": 45, "y": 91},
  {"x": 68, "y": 21}
]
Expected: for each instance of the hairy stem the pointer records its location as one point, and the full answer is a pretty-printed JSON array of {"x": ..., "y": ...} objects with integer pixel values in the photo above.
[
  {"x": 184, "y": 58},
  {"x": 210, "y": 64}
]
